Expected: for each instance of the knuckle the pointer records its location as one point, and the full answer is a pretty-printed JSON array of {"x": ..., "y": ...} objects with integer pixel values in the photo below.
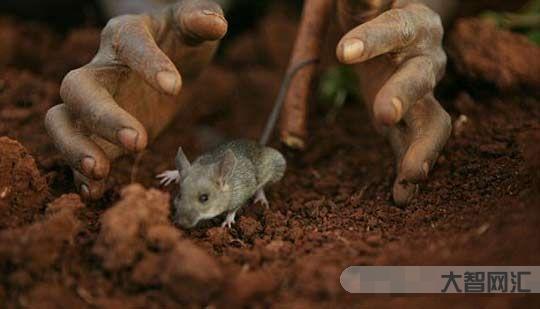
[
  {"x": 426, "y": 22},
  {"x": 117, "y": 27},
  {"x": 439, "y": 60},
  {"x": 111, "y": 32},
  {"x": 436, "y": 29},
  {"x": 432, "y": 23},
  {"x": 428, "y": 77},
  {"x": 70, "y": 82},
  {"x": 443, "y": 60},
  {"x": 116, "y": 24},
  {"x": 111, "y": 28},
  {"x": 411, "y": 170},
  {"x": 432, "y": 73},
  {"x": 405, "y": 24},
  {"x": 51, "y": 115}
]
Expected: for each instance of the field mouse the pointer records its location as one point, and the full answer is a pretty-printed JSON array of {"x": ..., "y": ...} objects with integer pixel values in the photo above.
[{"x": 226, "y": 178}]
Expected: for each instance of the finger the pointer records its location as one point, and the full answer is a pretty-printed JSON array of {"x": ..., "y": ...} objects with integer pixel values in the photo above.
[
  {"x": 81, "y": 152},
  {"x": 200, "y": 21},
  {"x": 429, "y": 133},
  {"x": 134, "y": 43},
  {"x": 413, "y": 80},
  {"x": 89, "y": 189},
  {"x": 390, "y": 31},
  {"x": 84, "y": 96},
  {"x": 403, "y": 191}
]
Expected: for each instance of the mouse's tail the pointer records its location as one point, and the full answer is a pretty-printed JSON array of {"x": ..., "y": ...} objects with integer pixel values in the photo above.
[{"x": 278, "y": 103}]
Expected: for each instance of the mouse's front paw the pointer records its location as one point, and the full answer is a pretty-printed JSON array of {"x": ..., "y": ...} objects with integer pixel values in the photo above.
[
  {"x": 229, "y": 220},
  {"x": 168, "y": 177}
]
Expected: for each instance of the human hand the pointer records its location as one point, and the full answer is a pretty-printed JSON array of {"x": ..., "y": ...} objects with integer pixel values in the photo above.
[
  {"x": 129, "y": 92},
  {"x": 400, "y": 58}
]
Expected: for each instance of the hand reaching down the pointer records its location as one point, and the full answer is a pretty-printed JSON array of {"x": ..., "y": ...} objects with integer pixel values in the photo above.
[
  {"x": 400, "y": 59},
  {"x": 128, "y": 93}
]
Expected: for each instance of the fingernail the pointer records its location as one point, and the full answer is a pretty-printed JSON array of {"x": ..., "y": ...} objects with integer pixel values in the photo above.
[
  {"x": 398, "y": 109},
  {"x": 128, "y": 138},
  {"x": 88, "y": 165},
  {"x": 85, "y": 191},
  {"x": 205, "y": 25},
  {"x": 169, "y": 82},
  {"x": 212, "y": 13},
  {"x": 352, "y": 50},
  {"x": 425, "y": 169}
]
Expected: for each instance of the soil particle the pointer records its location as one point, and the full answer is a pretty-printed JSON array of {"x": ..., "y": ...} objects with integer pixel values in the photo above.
[{"x": 22, "y": 188}]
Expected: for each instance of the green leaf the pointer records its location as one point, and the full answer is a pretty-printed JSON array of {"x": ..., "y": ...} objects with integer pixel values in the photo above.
[
  {"x": 337, "y": 82},
  {"x": 534, "y": 36},
  {"x": 494, "y": 17}
]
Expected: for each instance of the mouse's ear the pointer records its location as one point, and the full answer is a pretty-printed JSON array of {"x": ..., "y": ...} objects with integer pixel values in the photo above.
[
  {"x": 182, "y": 163},
  {"x": 226, "y": 167}
]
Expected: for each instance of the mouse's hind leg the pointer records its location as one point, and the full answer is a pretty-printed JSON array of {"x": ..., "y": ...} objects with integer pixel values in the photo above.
[
  {"x": 260, "y": 197},
  {"x": 271, "y": 166}
]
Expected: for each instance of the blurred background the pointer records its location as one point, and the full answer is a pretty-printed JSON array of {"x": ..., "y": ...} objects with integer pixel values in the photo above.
[
  {"x": 64, "y": 14},
  {"x": 241, "y": 14}
]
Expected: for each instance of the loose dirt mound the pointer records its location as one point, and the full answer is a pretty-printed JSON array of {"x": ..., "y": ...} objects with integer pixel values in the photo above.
[
  {"x": 22, "y": 189},
  {"x": 122, "y": 226},
  {"x": 136, "y": 233},
  {"x": 482, "y": 52},
  {"x": 30, "y": 254}
]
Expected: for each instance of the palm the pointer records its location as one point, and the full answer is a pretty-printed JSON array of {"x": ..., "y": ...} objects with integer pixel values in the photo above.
[
  {"x": 398, "y": 44},
  {"x": 130, "y": 91}
]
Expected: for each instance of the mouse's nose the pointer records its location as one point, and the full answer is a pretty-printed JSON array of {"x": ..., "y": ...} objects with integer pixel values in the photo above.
[
  {"x": 185, "y": 219},
  {"x": 187, "y": 224}
]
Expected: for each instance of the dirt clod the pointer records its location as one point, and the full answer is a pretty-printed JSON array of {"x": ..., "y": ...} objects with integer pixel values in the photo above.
[
  {"x": 38, "y": 246},
  {"x": 22, "y": 188},
  {"x": 249, "y": 227},
  {"x": 124, "y": 226},
  {"x": 484, "y": 53}
]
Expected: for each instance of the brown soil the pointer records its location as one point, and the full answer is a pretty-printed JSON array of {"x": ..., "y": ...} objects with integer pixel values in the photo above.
[
  {"x": 502, "y": 58},
  {"x": 332, "y": 210},
  {"x": 22, "y": 188}
]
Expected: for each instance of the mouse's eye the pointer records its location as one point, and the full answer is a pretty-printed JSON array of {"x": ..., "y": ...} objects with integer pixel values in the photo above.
[{"x": 203, "y": 198}]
